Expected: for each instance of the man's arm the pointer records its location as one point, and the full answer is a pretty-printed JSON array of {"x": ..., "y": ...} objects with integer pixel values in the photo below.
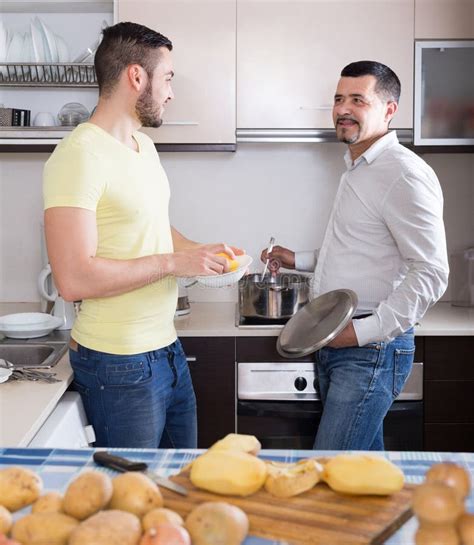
[{"x": 71, "y": 237}]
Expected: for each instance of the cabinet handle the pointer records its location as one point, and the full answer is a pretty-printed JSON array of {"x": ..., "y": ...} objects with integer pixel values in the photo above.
[
  {"x": 322, "y": 107},
  {"x": 184, "y": 123},
  {"x": 191, "y": 359}
]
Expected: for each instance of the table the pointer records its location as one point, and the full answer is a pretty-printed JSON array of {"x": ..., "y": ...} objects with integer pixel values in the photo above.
[{"x": 58, "y": 466}]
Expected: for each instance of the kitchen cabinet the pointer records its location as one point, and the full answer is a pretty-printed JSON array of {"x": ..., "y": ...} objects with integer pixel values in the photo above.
[
  {"x": 212, "y": 366},
  {"x": 448, "y": 387},
  {"x": 444, "y": 19},
  {"x": 290, "y": 54},
  {"x": 203, "y": 36}
]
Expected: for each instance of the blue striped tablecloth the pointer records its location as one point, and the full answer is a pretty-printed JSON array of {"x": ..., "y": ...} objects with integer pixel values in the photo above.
[{"x": 58, "y": 466}]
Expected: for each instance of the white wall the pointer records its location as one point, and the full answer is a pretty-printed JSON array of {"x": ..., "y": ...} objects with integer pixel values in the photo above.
[{"x": 242, "y": 198}]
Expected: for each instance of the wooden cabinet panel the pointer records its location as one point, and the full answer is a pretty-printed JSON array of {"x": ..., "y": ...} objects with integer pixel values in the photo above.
[
  {"x": 444, "y": 19},
  {"x": 449, "y": 401},
  {"x": 290, "y": 54},
  {"x": 449, "y": 437},
  {"x": 204, "y": 43},
  {"x": 254, "y": 349},
  {"x": 449, "y": 358},
  {"x": 213, "y": 374}
]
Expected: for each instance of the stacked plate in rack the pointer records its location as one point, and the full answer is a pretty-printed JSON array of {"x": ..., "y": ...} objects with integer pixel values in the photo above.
[{"x": 28, "y": 325}]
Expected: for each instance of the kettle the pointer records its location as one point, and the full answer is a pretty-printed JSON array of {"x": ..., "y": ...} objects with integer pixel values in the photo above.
[{"x": 62, "y": 309}]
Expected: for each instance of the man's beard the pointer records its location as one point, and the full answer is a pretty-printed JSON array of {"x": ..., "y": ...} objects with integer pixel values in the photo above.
[
  {"x": 147, "y": 110},
  {"x": 341, "y": 136}
]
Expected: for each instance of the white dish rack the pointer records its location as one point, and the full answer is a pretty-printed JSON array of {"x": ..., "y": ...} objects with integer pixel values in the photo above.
[{"x": 32, "y": 74}]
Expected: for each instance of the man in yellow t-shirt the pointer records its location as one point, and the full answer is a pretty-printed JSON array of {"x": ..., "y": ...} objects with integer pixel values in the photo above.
[{"x": 110, "y": 244}]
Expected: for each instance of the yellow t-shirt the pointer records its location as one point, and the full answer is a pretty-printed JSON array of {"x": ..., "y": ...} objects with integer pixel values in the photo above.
[{"x": 129, "y": 193}]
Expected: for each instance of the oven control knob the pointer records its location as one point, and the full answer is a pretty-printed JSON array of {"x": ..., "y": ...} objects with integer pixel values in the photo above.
[{"x": 300, "y": 383}]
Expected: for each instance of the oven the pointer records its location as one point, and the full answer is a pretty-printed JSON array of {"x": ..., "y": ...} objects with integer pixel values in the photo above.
[{"x": 278, "y": 400}]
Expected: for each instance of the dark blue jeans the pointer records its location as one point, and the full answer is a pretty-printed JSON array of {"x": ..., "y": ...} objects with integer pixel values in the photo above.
[
  {"x": 358, "y": 385},
  {"x": 139, "y": 401}
]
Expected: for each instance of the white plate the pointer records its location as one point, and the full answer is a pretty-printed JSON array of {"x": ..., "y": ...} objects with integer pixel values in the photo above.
[
  {"x": 220, "y": 280},
  {"x": 28, "y": 325},
  {"x": 15, "y": 48},
  {"x": 5, "y": 374},
  {"x": 3, "y": 42},
  {"x": 38, "y": 43},
  {"x": 63, "y": 49},
  {"x": 49, "y": 40}
]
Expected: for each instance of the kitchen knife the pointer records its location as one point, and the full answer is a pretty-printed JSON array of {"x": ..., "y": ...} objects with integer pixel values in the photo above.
[{"x": 118, "y": 463}]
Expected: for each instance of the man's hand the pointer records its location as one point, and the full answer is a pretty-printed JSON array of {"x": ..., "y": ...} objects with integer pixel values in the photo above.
[
  {"x": 279, "y": 257},
  {"x": 203, "y": 260},
  {"x": 346, "y": 337}
]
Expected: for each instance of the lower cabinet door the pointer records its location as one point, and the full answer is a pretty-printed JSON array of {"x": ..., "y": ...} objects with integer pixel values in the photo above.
[{"x": 212, "y": 364}]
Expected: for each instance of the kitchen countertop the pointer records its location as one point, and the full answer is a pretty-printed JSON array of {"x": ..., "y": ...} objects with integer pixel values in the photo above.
[
  {"x": 23, "y": 408},
  {"x": 57, "y": 467}
]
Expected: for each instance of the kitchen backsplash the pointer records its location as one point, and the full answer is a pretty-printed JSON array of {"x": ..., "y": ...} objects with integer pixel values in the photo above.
[{"x": 242, "y": 198}]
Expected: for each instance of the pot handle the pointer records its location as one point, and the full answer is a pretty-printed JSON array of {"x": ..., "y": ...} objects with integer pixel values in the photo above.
[{"x": 277, "y": 288}]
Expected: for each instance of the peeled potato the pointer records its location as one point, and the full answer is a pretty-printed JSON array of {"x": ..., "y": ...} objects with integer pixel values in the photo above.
[
  {"x": 216, "y": 523},
  {"x": 52, "y": 502},
  {"x": 88, "y": 493},
  {"x": 6, "y": 520},
  {"x": 19, "y": 487},
  {"x": 286, "y": 480},
  {"x": 44, "y": 528},
  {"x": 363, "y": 474},
  {"x": 161, "y": 515},
  {"x": 233, "y": 263},
  {"x": 135, "y": 493},
  {"x": 228, "y": 472},
  {"x": 238, "y": 442}
]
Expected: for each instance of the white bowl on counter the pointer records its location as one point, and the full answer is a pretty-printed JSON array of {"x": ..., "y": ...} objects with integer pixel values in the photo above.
[{"x": 28, "y": 325}]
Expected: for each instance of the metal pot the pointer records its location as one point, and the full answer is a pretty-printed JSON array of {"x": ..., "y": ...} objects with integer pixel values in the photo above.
[{"x": 275, "y": 297}]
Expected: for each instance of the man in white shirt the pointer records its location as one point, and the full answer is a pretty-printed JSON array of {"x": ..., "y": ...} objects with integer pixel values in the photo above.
[{"x": 385, "y": 240}]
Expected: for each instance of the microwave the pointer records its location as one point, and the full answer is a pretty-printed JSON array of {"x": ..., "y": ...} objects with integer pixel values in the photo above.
[{"x": 444, "y": 93}]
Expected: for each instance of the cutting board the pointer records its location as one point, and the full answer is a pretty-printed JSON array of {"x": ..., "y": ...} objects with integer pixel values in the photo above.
[{"x": 317, "y": 517}]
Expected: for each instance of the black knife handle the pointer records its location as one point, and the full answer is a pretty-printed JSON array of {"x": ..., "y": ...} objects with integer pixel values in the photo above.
[{"x": 118, "y": 463}]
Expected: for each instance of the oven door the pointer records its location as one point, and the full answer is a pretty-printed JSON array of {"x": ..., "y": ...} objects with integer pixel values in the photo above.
[{"x": 293, "y": 424}]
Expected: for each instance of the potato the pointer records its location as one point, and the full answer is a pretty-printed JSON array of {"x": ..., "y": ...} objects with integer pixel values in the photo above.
[
  {"x": 166, "y": 534},
  {"x": 108, "y": 528},
  {"x": 363, "y": 474},
  {"x": 238, "y": 442},
  {"x": 19, "y": 487},
  {"x": 216, "y": 523},
  {"x": 466, "y": 529},
  {"x": 286, "y": 480},
  {"x": 436, "y": 535},
  {"x": 5, "y": 541},
  {"x": 228, "y": 472},
  {"x": 135, "y": 493},
  {"x": 44, "y": 528},
  {"x": 6, "y": 520},
  {"x": 451, "y": 474},
  {"x": 161, "y": 515},
  {"x": 437, "y": 503},
  {"x": 88, "y": 493},
  {"x": 52, "y": 502}
]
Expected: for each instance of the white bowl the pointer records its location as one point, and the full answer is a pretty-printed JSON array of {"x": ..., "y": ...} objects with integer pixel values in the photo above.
[
  {"x": 226, "y": 279},
  {"x": 5, "y": 374},
  {"x": 28, "y": 325}
]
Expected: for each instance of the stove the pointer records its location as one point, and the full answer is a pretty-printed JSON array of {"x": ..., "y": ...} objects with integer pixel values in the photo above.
[{"x": 257, "y": 323}]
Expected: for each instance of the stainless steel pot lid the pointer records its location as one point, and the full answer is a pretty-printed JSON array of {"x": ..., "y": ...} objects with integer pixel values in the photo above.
[{"x": 317, "y": 323}]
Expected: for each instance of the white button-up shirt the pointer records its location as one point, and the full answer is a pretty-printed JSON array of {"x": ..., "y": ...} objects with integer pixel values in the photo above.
[{"x": 385, "y": 240}]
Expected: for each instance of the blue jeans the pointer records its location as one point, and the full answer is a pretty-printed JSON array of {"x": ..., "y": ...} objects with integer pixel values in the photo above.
[
  {"x": 138, "y": 401},
  {"x": 358, "y": 385}
]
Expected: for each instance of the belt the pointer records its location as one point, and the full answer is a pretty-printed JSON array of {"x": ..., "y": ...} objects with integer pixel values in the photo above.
[{"x": 73, "y": 345}]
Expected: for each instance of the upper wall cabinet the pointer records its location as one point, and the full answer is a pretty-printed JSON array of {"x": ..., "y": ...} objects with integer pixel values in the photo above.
[
  {"x": 290, "y": 54},
  {"x": 444, "y": 19},
  {"x": 203, "y": 36}
]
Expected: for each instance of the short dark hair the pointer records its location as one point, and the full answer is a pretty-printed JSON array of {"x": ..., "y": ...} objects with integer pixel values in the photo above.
[
  {"x": 124, "y": 44},
  {"x": 388, "y": 85}
]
